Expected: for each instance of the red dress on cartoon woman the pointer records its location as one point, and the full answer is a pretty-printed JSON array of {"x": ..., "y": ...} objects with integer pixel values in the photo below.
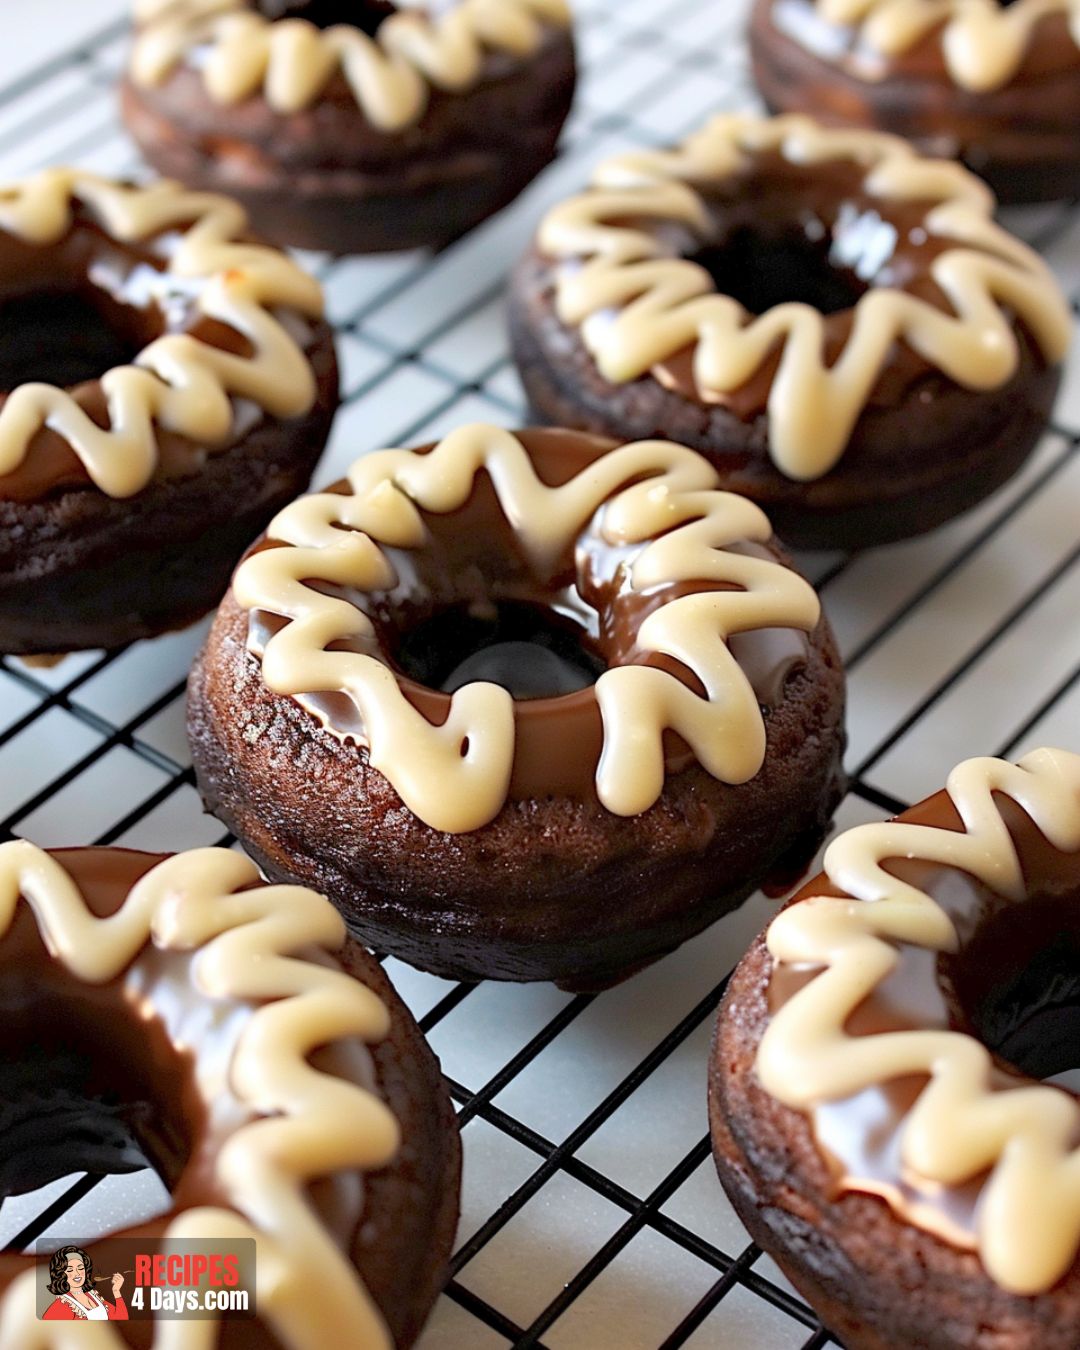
[{"x": 72, "y": 1281}]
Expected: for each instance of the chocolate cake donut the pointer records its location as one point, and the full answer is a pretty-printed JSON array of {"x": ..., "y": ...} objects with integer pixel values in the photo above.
[
  {"x": 175, "y": 1012},
  {"x": 353, "y": 125},
  {"x": 168, "y": 385},
  {"x": 525, "y": 706},
  {"x": 890, "y": 1097},
  {"x": 835, "y": 322},
  {"x": 995, "y": 83}
]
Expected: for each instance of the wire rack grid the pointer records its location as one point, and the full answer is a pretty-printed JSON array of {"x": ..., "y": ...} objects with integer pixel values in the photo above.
[{"x": 591, "y": 1216}]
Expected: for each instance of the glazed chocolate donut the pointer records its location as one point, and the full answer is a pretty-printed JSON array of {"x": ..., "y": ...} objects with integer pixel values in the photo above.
[
  {"x": 995, "y": 83},
  {"x": 524, "y": 706},
  {"x": 169, "y": 386},
  {"x": 175, "y": 1012},
  {"x": 836, "y": 323},
  {"x": 887, "y": 1095},
  {"x": 351, "y": 125}
]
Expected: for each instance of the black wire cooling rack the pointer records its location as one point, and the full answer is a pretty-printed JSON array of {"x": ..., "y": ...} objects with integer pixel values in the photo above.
[{"x": 592, "y": 1217}]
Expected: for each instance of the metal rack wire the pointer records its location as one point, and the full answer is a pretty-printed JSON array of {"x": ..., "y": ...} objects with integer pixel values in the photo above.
[{"x": 592, "y": 1216}]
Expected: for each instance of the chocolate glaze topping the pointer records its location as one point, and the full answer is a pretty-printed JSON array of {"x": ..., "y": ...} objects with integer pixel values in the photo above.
[
  {"x": 391, "y": 61},
  {"x": 65, "y": 1106},
  {"x": 788, "y": 232},
  {"x": 42, "y": 291},
  {"x": 968, "y": 943},
  {"x": 147, "y": 1101},
  {"x": 474, "y": 565},
  {"x": 196, "y": 333},
  {"x": 910, "y": 276},
  {"x": 1042, "y": 42},
  {"x": 174, "y": 1012}
]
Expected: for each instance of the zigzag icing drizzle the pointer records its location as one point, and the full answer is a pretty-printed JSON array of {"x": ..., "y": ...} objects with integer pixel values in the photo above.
[
  {"x": 638, "y": 305},
  {"x": 310, "y": 1124},
  {"x": 291, "y": 62},
  {"x": 654, "y": 494},
  {"x": 984, "y": 45},
  {"x": 1024, "y": 1138},
  {"x": 177, "y": 383}
]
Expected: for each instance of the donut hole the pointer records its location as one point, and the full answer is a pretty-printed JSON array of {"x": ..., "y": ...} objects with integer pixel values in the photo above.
[
  {"x": 807, "y": 233},
  {"x": 470, "y": 606},
  {"x": 761, "y": 271},
  {"x": 528, "y": 648},
  {"x": 65, "y": 337},
  {"x": 367, "y": 15},
  {"x": 90, "y": 1079},
  {"x": 85, "y": 1088},
  {"x": 1017, "y": 982}
]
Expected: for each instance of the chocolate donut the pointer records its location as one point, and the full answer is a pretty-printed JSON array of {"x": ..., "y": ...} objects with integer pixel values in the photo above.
[
  {"x": 995, "y": 83},
  {"x": 525, "y": 706},
  {"x": 176, "y": 1012},
  {"x": 169, "y": 385},
  {"x": 835, "y": 322},
  {"x": 351, "y": 125},
  {"x": 888, "y": 1108}
]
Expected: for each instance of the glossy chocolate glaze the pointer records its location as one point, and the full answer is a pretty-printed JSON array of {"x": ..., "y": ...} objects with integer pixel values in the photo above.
[
  {"x": 136, "y": 1088},
  {"x": 472, "y": 560},
  {"x": 49, "y": 293},
  {"x": 142, "y": 1100},
  {"x": 89, "y": 1078},
  {"x": 809, "y": 233},
  {"x": 327, "y": 178},
  {"x": 1013, "y": 984},
  {"x": 1020, "y": 136}
]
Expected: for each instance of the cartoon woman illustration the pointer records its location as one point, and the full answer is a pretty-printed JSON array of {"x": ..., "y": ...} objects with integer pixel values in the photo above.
[{"x": 71, "y": 1279}]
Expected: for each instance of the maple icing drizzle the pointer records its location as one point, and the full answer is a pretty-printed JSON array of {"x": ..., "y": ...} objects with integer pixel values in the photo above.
[
  {"x": 1016, "y": 1140},
  {"x": 309, "y": 1124},
  {"x": 291, "y": 61},
  {"x": 178, "y": 383},
  {"x": 983, "y": 43},
  {"x": 638, "y": 303},
  {"x": 653, "y": 502}
]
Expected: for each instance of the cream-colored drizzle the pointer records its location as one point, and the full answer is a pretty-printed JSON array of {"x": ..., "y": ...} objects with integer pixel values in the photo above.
[
  {"x": 638, "y": 306},
  {"x": 455, "y": 777},
  {"x": 311, "y": 1125},
  {"x": 177, "y": 383},
  {"x": 1028, "y": 1219},
  {"x": 391, "y": 74},
  {"x": 147, "y": 11},
  {"x": 983, "y": 44}
]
